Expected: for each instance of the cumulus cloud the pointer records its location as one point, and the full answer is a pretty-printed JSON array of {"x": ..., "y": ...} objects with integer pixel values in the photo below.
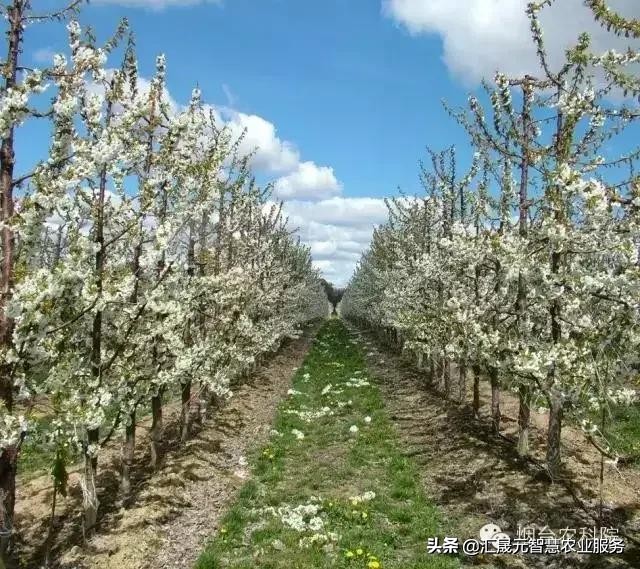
[
  {"x": 341, "y": 211},
  {"x": 308, "y": 181},
  {"x": 480, "y": 37},
  {"x": 297, "y": 179},
  {"x": 270, "y": 152},
  {"x": 337, "y": 230},
  {"x": 294, "y": 178},
  {"x": 335, "y": 271}
]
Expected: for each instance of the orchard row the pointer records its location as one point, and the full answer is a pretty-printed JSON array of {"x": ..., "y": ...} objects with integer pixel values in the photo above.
[
  {"x": 139, "y": 260},
  {"x": 524, "y": 269}
]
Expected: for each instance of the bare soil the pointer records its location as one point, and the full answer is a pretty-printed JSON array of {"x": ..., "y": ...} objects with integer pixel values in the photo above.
[
  {"x": 170, "y": 513},
  {"x": 477, "y": 478}
]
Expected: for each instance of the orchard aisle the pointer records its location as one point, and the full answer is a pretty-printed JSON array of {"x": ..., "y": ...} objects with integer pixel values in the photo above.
[{"x": 331, "y": 488}]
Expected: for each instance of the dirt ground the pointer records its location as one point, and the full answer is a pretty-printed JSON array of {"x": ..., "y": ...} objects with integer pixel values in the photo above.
[
  {"x": 476, "y": 478},
  {"x": 472, "y": 476},
  {"x": 171, "y": 513}
]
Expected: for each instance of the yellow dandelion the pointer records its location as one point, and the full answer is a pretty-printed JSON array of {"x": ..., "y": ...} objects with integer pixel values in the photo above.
[
  {"x": 373, "y": 564},
  {"x": 349, "y": 554},
  {"x": 359, "y": 551}
]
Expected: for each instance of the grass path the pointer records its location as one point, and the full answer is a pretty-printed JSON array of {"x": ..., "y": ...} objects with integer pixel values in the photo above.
[{"x": 332, "y": 488}]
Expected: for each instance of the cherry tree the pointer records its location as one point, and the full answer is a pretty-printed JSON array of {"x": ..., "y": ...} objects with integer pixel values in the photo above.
[
  {"x": 532, "y": 284},
  {"x": 143, "y": 262}
]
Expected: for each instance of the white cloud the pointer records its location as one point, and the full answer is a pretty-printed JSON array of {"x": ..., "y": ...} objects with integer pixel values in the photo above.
[
  {"x": 298, "y": 179},
  {"x": 294, "y": 178},
  {"x": 340, "y": 211},
  {"x": 337, "y": 230},
  {"x": 144, "y": 86},
  {"x": 308, "y": 181},
  {"x": 482, "y": 36},
  {"x": 270, "y": 152}
]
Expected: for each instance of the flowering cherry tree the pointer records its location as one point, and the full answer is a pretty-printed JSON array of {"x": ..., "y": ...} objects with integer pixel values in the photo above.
[
  {"x": 526, "y": 269},
  {"x": 141, "y": 262}
]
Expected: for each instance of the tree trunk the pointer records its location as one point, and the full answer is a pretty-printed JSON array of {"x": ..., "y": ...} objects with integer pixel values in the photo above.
[
  {"x": 446, "y": 377},
  {"x": 89, "y": 490},
  {"x": 156, "y": 430},
  {"x": 8, "y": 467},
  {"x": 213, "y": 403},
  {"x": 156, "y": 400},
  {"x": 185, "y": 389},
  {"x": 9, "y": 457},
  {"x": 524, "y": 392},
  {"x": 129, "y": 443},
  {"x": 495, "y": 400},
  {"x": 197, "y": 406},
  {"x": 554, "y": 431},
  {"x": 524, "y": 416},
  {"x": 50, "y": 528},
  {"x": 462, "y": 381},
  {"x": 476, "y": 391},
  {"x": 185, "y": 416},
  {"x": 93, "y": 436},
  {"x": 128, "y": 450}
]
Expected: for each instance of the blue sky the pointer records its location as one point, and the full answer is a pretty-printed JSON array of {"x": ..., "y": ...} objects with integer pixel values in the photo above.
[{"x": 340, "y": 96}]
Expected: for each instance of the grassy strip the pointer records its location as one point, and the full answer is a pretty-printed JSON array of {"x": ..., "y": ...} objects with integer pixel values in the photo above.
[
  {"x": 624, "y": 432},
  {"x": 324, "y": 494}
]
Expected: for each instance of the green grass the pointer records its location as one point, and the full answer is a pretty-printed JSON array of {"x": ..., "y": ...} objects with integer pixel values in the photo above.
[
  {"x": 37, "y": 455},
  {"x": 624, "y": 431},
  {"x": 325, "y": 469}
]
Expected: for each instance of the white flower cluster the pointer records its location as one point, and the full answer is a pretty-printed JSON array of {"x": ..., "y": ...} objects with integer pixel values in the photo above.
[
  {"x": 301, "y": 518},
  {"x": 357, "y": 382},
  {"x": 623, "y": 396},
  {"x": 366, "y": 497},
  {"x": 308, "y": 415},
  {"x": 318, "y": 539},
  {"x": 11, "y": 428}
]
